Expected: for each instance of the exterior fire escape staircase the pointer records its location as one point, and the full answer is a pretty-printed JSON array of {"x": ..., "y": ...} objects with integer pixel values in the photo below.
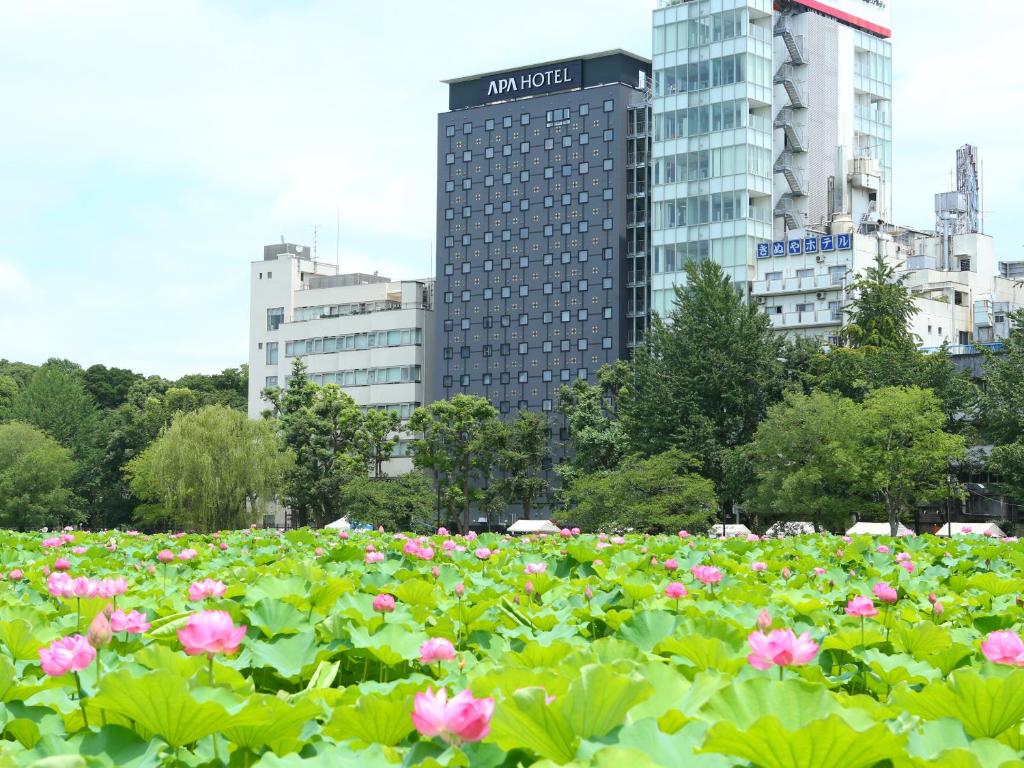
[{"x": 796, "y": 140}]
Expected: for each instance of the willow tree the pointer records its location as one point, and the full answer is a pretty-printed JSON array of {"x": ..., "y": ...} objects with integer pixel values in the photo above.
[{"x": 210, "y": 470}]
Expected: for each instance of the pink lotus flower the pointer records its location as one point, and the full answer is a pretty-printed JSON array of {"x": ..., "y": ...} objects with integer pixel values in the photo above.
[
  {"x": 764, "y": 619},
  {"x": 460, "y": 589},
  {"x": 780, "y": 648},
  {"x": 565, "y": 533},
  {"x": 907, "y": 566},
  {"x": 384, "y": 603},
  {"x": 52, "y": 542},
  {"x": 758, "y": 567},
  {"x": 436, "y": 649},
  {"x": 671, "y": 564},
  {"x": 343, "y": 535},
  {"x": 675, "y": 590},
  {"x": 84, "y": 587},
  {"x": 16, "y": 575},
  {"x": 211, "y": 632},
  {"x": 482, "y": 553},
  {"x": 885, "y": 593},
  {"x": 684, "y": 534},
  {"x": 819, "y": 571},
  {"x": 373, "y": 557},
  {"x": 532, "y": 568},
  {"x": 62, "y": 564},
  {"x": 706, "y": 574},
  {"x": 528, "y": 587},
  {"x": 109, "y": 588},
  {"x": 861, "y": 606},
  {"x": 187, "y": 554},
  {"x": 882, "y": 549},
  {"x": 100, "y": 631},
  {"x": 448, "y": 545},
  {"x": 133, "y": 623},
  {"x": 442, "y": 531},
  {"x": 165, "y": 556},
  {"x": 200, "y": 590},
  {"x": 471, "y": 536},
  {"x": 69, "y": 654},
  {"x": 463, "y": 719},
  {"x": 901, "y": 556},
  {"x": 588, "y": 593},
  {"x": 786, "y": 573},
  {"x": 223, "y": 546},
  {"x": 1004, "y": 647},
  {"x": 575, "y": 531},
  {"x": 79, "y": 550},
  {"x": 932, "y": 598},
  {"x": 937, "y": 609},
  {"x": 435, "y": 571},
  {"x": 753, "y": 537}
]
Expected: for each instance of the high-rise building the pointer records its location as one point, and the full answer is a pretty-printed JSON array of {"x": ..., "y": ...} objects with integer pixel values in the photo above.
[
  {"x": 368, "y": 334},
  {"x": 541, "y": 228},
  {"x": 762, "y": 111}
]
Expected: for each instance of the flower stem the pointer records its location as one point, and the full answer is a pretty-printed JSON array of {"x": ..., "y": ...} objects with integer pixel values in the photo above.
[
  {"x": 781, "y": 671},
  {"x": 81, "y": 699},
  {"x": 216, "y": 746}
]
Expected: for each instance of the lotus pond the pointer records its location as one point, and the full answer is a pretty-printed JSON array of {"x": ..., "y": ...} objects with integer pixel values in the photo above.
[{"x": 317, "y": 649}]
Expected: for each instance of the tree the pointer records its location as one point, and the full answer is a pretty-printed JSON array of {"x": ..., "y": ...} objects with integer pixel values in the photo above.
[
  {"x": 881, "y": 310},
  {"x": 703, "y": 379},
  {"x": 35, "y": 477},
  {"x": 8, "y": 392},
  {"x": 522, "y": 448},
  {"x": 321, "y": 426},
  {"x": 900, "y": 454},
  {"x": 230, "y": 387},
  {"x": 403, "y": 503},
  {"x": 454, "y": 448},
  {"x": 56, "y": 401},
  {"x": 109, "y": 387},
  {"x": 856, "y": 372},
  {"x": 799, "y": 461},
  {"x": 210, "y": 470},
  {"x": 660, "y": 494},
  {"x": 596, "y": 436},
  {"x": 378, "y": 438},
  {"x": 1002, "y": 409}
]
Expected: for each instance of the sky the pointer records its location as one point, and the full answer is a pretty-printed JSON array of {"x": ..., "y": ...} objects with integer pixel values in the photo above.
[{"x": 149, "y": 150}]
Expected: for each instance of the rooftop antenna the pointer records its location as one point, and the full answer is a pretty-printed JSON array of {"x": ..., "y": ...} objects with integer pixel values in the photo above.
[
  {"x": 316, "y": 232},
  {"x": 282, "y": 239},
  {"x": 337, "y": 243}
]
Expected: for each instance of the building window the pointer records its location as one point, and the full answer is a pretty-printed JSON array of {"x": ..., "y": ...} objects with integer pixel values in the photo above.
[
  {"x": 609, "y": 105},
  {"x": 271, "y": 353},
  {"x": 275, "y": 316},
  {"x": 270, "y": 381}
]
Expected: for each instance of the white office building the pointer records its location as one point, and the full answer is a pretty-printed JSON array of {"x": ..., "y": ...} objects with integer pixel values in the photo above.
[
  {"x": 368, "y": 334},
  {"x": 760, "y": 110}
]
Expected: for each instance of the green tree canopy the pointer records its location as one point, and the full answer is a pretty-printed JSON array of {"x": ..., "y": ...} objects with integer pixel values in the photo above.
[
  {"x": 402, "y": 503},
  {"x": 454, "y": 448},
  {"x": 521, "y": 450},
  {"x": 799, "y": 457},
  {"x": 8, "y": 392},
  {"x": 596, "y": 436},
  {"x": 36, "y": 473},
  {"x": 659, "y": 494},
  {"x": 1002, "y": 409},
  {"x": 109, "y": 387},
  {"x": 321, "y": 426},
  {"x": 706, "y": 376},
  {"x": 900, "y": 454},
  {"x": 881, "y": 310},
  {"x": 377, "y": 439},
  {"x": 210, "y": 470}
]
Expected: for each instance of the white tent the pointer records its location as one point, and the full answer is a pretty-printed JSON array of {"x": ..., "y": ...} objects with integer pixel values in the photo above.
[
  {"x": 730, "y": 530},
  {"x": 878, "y": 529},
  {"x": 341, "y": 524},
  {"x": 789, "y": 528},
  {"x": 962, "y": 529},
  {"x": 533, "y": 526}
]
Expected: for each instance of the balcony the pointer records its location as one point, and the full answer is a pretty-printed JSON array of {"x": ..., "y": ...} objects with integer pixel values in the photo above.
[
  {"x": 636, "y": 159},
  {"x": 636, "y": 278},
  {"x": 637, "y": 189},
  {"x": 636, "y": 310},
  {"x": 813, "y": 319},
  {"x": 815, "y": 283},
  {"x": 638, "y": 219}
]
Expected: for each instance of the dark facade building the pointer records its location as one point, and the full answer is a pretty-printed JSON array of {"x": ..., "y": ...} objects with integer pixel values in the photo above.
[{"x": 542, "y": 230}]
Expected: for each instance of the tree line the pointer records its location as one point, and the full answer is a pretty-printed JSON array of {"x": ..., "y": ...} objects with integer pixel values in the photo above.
[{"x": 715, "y": 414}]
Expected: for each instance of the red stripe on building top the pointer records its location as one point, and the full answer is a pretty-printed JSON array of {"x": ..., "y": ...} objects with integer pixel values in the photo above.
[{"x": 849, "y": 18}]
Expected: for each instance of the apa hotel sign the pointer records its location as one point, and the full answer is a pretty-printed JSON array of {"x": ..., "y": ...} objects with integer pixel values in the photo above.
[{"x": 563, "y": 76}]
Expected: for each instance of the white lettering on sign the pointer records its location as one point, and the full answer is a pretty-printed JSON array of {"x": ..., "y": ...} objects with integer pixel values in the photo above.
[{"x": 502, "y": 85}]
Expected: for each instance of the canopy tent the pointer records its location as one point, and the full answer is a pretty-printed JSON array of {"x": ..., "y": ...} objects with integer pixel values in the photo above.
[
  {"x": 962, "y": 529},
  {"x": 341, "y": 524},
  {"x": 729, "y": 531},
  {"x": 533, "y": 526},
  {"x": 789, "y": 528},
  {"x": 878, "y": 529}
]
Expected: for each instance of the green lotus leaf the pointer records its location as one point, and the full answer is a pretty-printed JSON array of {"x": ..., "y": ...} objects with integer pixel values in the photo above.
[
  {"x": 823, "y": 743},
  {"x": 920, "y": 640},
  {"x": 599, "y": 700},
  {"x": 275, "y": 617},
  {"x": 646, "y": 629},
  {"x": 287, "y": 655},
  {"x": 269, "y": 721},
  {"x": 526, "y": 721},
  {"x": 21, "y": 640},
  {"x": 375, "y": 719},
  {"x": 987, "y": 706},
  {"x": 160, "y": 704}
]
